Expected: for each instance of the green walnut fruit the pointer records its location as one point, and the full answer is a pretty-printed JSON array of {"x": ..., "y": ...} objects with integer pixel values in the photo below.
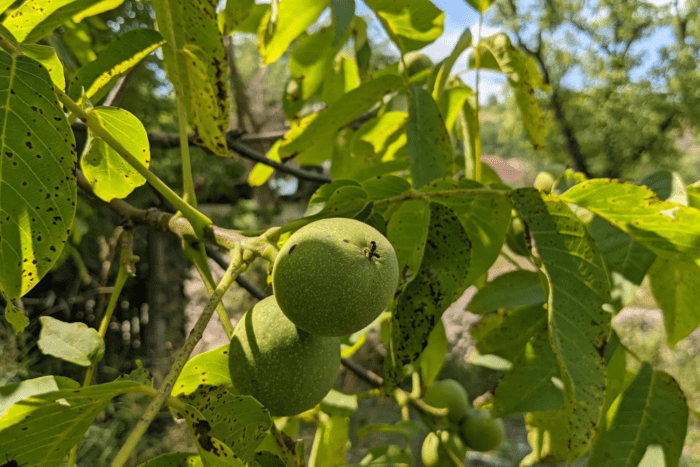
[
  {"x": 286, "y": 369},
  {"x": 335, "y": 276},
  {"x": 517, "y": 237},
  {"x": 434, "y": 452},
  {"x": 415, "y": 63},
  {"x": 449, "y": 394},
  {"x": 544, "y": 181},
  {"x": 481, "y": 432}
]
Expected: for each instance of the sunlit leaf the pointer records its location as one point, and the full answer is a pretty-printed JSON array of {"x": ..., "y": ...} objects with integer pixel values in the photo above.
[
  {"x": 464, "y": 42},
  {"x": 331, "y": 442},
  {"x": 15, "y": 317},
  {"x": 109, "y": 175},
  {"x": 341, "y": 78},
  {"x": 13, "y": 393},
  {"x": 505, "y": 332},
  {"x": 547, "y": 434},
  {"x": 208, "y": 368},
  {"x": 37, "y": 182},
  {"x": 234, "y": 14},
  {"x": 408, "y": 232},
  {"x": 411, "y": 24},
  {"x": 47, "y": 57},
  {"x": 72, "y": 342},
  {"x": 510, "y": 290}
]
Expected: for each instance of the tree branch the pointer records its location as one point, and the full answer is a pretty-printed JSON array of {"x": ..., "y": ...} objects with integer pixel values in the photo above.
[{"x": 219, "y": 259}]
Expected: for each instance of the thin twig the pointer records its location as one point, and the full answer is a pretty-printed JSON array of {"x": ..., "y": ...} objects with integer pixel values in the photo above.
[
  {"x": 364, "y": 374},
  {"x": 219, "y": 259}
]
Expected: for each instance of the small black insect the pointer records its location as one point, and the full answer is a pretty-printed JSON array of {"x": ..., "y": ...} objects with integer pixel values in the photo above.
[
  {"x": 372, "y": 252},
  {"x": 10, "y": 462}
]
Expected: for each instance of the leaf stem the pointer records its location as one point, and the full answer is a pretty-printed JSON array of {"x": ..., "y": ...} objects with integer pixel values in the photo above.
[
  {"x": 199, "y": 221},
  {"x": 236, "y": 267},
  {"x": 477, "y": 136}
]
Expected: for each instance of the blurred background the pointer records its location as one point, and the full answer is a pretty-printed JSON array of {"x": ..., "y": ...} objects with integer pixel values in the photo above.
[{"x": 623, "y": 100}]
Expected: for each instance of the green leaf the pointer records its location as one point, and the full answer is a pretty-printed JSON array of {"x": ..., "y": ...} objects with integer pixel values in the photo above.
[
  {"x": 464, "y": 42},
  {"x": 195, "y": 60},
  {"x": 15, "y": 317},
  {"x": 406, "y": 428},
  {"x": 693, "y": 196},
  {"x": 37, "y": 183},
  {"x": 523, "y": 78},
  {"x": 343, "y": 12},
  {"x": 99, "y": 6},
  {"x": 251, "y": 24},
  {"x": 676, "y": 288},
  {"x": 668, "y": 186},
  {"x": 268, "y": 459},
  {"x": 411, "y": 24},
  {"x": 343, "y": 111},
  {"x": 528, "y": 386},
  {"x": 208, "y": 368},
  {"x": 510, "y": 290},
  {"x": 433, "y": 356},
  {"x": 331, "y": 441},
  {"x": 109, "y": 175},
  {"x": 120, "y": 56},
  {"x": 310, "y": 61},
  {"x": 653, "y": 411},
  {"x": 626, "y": 260},
  {"x": 670, "y": 230},
  {"x": 429, "y": 147},
  {"x": 547, "y": 434},
  {"x": 579, "y": 291},
  {"x": 13, "y": 393},
  {"x": 293, "y": 17},
  {"x": 373, "y": 138},
  {"x": 261, "y": 173},
  {"x": 480, "y": 5},
  {"x": 72, "y": 342},
  {"x": 240, "y": 422},
  {"x": 34, "y": 19},
  {"x": 175, "y": 459},
  {"x": 338, "y": 403},
  {"x": 452, "y": 102},
  {"x": 214, "y": 452},
  {"x": 408, "y": 232},
  {"x": 505, "y": 332},
  {"x": 320, "y": 198},
  {"x": 341, "y": 78},
  {"x": 235, "y": 13},
  {"x": 40, "y": 430},
  {"x": 5, "y": 4},
  {"x": 420, "y": 305},
  {"x": 484, "y": 215},
  {"x": 384, "y": 187},
  {"x": 47, "y": 57}
]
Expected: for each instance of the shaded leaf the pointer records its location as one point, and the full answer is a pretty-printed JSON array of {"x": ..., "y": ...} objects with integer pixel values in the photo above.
[
  {"x": 15, "y": 317},
  {"x": 175, "y": 459},
  {"x": 331, "y": 442},
  {"x": 343, "y": 12},
  {"x": 384, "y": 187},
  {"x": 464, "y": 42},
  {"x": 338, "y": 114},
  {"x": 676, "y": 288},
  {"x": 72, "y": 342},
  {"x": 411, "y": 24},
  {"x": 505, "y": 332},
  {"x": 120, "y": 56},
  {"x": 234, "y": 14},
  {"x": 480, "y": 5},
  {"x": 293, "y": 17},
  {"x": 578, "y": 323},
  {"x": 408, "y": 232},
  {"x": 440, "y": 279},
  {"x": 406, "y": 428},
  {"x": 37, "y": 181},
  {"x": 668, "y": 229},
  {"x": 429, "y": 147},
  {"x": 484, "y": 214},
  {"x": 433, "y": 356},
  {"x": 510, "y": 290},
  {"x": 386, "y": 455},
  {"x": 109, "y": 175},
  {"x": 668, "y": 186},
  {"x": 653, "y": 411},
  {"x": 310, "y": 61},
  {"x": 452, "y": 102},
  {"x": 208, "y": 368},
  {"x": 547, "y": 434},
  {"x": 13, "y": 393}
]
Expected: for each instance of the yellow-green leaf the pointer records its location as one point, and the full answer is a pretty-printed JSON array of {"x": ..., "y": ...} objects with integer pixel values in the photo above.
[
  {"x": 15, "y": 317},
  {"x": 209, "y": 368},
  {"x": 47, "y": 56},
  {"x": 411, "y": 24},
  {"x": 234, "y": 14},
  {"x": 72, "y": 342},
  {"x": 109, "y": 175}
]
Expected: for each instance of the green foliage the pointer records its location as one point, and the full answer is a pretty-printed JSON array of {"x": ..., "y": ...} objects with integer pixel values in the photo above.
[{"x": 72, "y": 342}]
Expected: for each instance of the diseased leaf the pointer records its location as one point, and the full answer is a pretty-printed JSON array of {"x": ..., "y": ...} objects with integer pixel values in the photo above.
[
  {"x": 411, "y": 24},
  {"x": 653, "y": 411},
  {"x": 429, "y": 147},
  {"x": 208, "y": 368},
  {"x": 240, "y": 422},
  {"x": 523, "y": 78},
  {"x": 34, "y": 19},
  {"x": 120, "y": 56},
  {"x": 293, "y": 17},
  {"x": 510, "y": 290},
  {"x": 408, "y": 232},
  {"x": 676, "y": 288},
  {"x": 343, "y": 111},
  {"x": 40, "y": 430},
  {"x": 47, "y": 57},
  {"x": 670, "y": 230},
  {"x": 37, "y": 180},
  {"x": 578, "y": 323},
  {"x": 440, "y": 279},
  {"x": 484, "y": 214},
  {"x": 213, "y": 452},
  {"x": 528, "y": 386},
  {"x": 72, "y": 342},
  {"x": 195, "y": 60},
  {"x": 109, "y": 175}
]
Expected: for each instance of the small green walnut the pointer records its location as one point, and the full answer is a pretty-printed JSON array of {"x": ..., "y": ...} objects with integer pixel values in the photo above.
[
  {"x": 437, "y": 447},
  {"x": 415, "y": 63},
  {"x": 481, "y": 432},
  {"x": 335, "y": 276},
  {"x": 544, "y": 181},
  {"x": 518, "y": 236},
  {"x": 449, "y": 394},
  {"x": 286, "y": 369}
]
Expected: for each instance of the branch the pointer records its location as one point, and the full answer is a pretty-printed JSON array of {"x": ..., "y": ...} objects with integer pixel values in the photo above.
[
  {"x": 214, "y": 254},
  {"x": 364, "y": 374}
]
